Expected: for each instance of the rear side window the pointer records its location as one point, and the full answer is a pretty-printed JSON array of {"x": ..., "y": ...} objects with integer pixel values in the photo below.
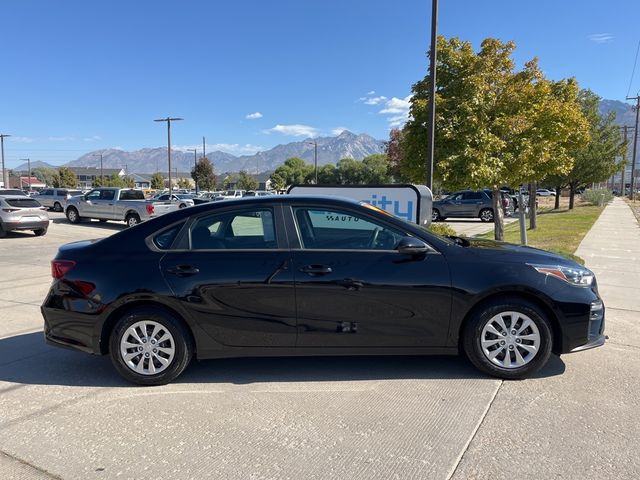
[
  {"x": 131, "y": 195},
  {"x": 23, "y": 202},
  {"x": 165, "y": 239},
  {"x": 472, "y": 196},
  {"x": 62, "y": 192},
  {"x": 247, "y": 230},
  {"x": 107, "y": 195}
]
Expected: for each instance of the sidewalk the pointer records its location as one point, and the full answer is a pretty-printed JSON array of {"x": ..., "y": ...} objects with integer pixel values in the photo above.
[{"x": 584, "y": 423}]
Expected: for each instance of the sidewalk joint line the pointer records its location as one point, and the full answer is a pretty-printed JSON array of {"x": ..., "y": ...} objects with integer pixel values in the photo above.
[{"x": 27, "y": 464}]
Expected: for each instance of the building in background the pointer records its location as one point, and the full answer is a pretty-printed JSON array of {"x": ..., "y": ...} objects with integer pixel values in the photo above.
[{"x": 87, "y": 175}]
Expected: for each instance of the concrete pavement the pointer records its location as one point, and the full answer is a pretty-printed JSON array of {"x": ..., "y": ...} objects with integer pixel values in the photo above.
[
  {"x": 584, "y": 424},
  {"x": 468, "y": 227}
]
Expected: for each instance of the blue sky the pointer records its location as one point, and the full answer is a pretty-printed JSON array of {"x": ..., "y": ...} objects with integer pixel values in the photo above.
[{"x": 77, "y": 76}]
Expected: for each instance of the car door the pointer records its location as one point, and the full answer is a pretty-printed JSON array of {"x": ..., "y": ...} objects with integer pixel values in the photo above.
[
  {"x": 106, "y": 204},
  {"x": 353, "y": 289},
  {"x": 453, "y": 205},
  {"x": 472, "y": 203},
  {"x": 89, "y": 205},
  {"x": 233, "y": 277}
]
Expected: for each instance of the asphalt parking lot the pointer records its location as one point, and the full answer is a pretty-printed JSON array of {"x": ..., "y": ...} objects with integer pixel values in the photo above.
[{"x": 68, "y": 415}]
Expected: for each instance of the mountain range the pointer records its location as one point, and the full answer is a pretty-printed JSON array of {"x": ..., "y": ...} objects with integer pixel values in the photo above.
[{"x": 148, "y": 160}]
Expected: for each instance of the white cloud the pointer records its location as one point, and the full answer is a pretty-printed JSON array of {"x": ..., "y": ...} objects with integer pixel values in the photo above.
[
  {"x": 372, "y": 92},
  {"x": 22, "y": 139},
  {"x": 253, "y": 116},
  {"x": 374, "y": 100},
  {"x": 92, "y": 138},
  {"x": 397, "y": 105},
  {"x": 294, "y": 130},
  {"x": 338, "y": 130},
  {"x": 601, "y": 37},
  {"x": 61, "y": 139}
]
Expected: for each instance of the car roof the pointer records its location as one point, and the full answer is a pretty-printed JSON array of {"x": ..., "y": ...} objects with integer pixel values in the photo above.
[{"x": 15, "y": 196}]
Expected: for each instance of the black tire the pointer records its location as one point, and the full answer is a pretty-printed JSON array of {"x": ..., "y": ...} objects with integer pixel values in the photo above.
[
  {"x": 182, "y": 205},
  {"x": 435, "y": 215},
  {"x": 40, "y": 232},
  {"x": 73, "y": 216},
  {"x": 472, "y": 336},
  {"x": 57, "y": 207},
  {"x": 132, "y": 219},
  {"x": 486, "y": 215},
  {"x": 182, "y": 339},
  {"x": 3, "y": 232},
  {"x": 101, "y": 220}
]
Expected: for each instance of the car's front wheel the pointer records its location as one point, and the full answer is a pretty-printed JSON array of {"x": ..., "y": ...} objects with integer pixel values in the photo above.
[
  {"x": 508, "y": 338},
  {"x": 486, "y": 215},
  {"x": 40, "y": 232},
  {"x": 435, "y": 215},
  {"x": 149, "y": 346},
  {"x": 72, "y": 215}
]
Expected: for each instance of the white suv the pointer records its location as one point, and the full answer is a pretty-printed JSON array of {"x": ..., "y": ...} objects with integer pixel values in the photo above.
[{"x": 19, "y": 212}]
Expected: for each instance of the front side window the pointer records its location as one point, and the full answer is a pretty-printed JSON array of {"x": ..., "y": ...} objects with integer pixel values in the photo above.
[
  {"x": 93, "y": 195},
  {"x": 334, "y": 229},
  {"x": 250, "y": 229}
]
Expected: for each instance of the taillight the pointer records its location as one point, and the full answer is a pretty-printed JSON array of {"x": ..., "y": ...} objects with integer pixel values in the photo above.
[
  {"x": 150, "y": 208},
  {"x": 59, "y": 268}
]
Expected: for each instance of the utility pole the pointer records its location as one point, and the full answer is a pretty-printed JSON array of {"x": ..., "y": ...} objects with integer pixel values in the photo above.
[
  {"x": 626, "y": 130},
  {"x": 28, "y": 160},
  {"x": 101, "y": 169},
  {"x": 431, "y": 119},
  {"x": 635, "y": 144},
  {"x": 315, "y": 158},
  {"x": 169, "y": 120},
  {"x": 204, "y": 149},
  {"x": 195, "y": 166},
  {"x": 4, "y": 170}
]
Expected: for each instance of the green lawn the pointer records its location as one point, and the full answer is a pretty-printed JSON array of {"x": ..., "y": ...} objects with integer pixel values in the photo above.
[{"x": 559, "y": 231}]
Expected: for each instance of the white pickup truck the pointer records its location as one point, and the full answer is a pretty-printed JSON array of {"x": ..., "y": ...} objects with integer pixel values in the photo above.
[{"x": 124, "y": 205}]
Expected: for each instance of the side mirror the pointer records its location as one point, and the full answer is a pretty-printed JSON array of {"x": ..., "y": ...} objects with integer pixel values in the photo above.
[{"x": 412, "y": 246}]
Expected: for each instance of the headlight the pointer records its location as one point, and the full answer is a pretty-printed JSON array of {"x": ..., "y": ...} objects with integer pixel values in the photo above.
[{"x": 575, "y": 276}]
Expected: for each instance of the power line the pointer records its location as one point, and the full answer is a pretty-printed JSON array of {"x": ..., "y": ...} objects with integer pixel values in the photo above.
[{"x": 634, "y": 69}]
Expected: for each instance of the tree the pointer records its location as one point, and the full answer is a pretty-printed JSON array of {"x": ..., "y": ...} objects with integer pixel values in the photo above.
[
  {"x": 64, "y": 178},
  {"x": 494, "y": 126},
  {"x": 376, "y": 169},
  {"x": 128, "y": 182},
  {"x": 294, "y": 171},
  {"x": 113, "y": 180},
  {"x": 395, "y": 153},
  {"x": 246, "y": 182},
  {"x": 596, "y": 160},
  {"x": 327, "y": 174},
  {"x": 157, "y": 181},
  {"x": 184, "y": 183},
  {"x": 350, "y": 172},
  {"x": 203, "y": 175},
  {"x": 44, "y": 174},
  {"x": 228, "y": 181}
]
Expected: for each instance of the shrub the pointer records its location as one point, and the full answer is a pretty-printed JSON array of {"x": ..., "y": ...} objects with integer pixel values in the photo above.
[
  {"x": 441, "y": 229},
  {"x": 597, "y": 196}
]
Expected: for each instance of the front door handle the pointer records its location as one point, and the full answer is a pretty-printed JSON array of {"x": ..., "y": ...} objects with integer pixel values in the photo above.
[
  {"x": 316, "y": 270},
  {"x": 183, "y": 270}
]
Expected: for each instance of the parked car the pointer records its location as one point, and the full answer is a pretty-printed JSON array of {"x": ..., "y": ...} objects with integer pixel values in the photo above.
[
  {"x": 308, "y": 275},
  {"x": 56, "y": 198},
  {"x": 182, "y": 199},
  {"x": 108, "y": 203},
  {"x": 256, "y": 193},
  {"x": 233, "y": 193},
  {"x": 19, "y": 212},
  {"x": 543, "y": 192},
  {"x": 470, "y": 204},
  {"x": 12, "y": 191}
]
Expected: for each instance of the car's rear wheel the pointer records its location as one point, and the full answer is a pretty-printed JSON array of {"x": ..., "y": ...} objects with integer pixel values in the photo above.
[
  {"x": 40, "y": 232},
  {"x": 486, "y": 215},
  {"x": 57, "y": 207},
  {"x": 508, "y": 338},
  {"x": 3, "y": 232},
  {"x": 132, "y": 219},
  {"x": 149, "y": 346},
  {"x": 72, "y": 215}
]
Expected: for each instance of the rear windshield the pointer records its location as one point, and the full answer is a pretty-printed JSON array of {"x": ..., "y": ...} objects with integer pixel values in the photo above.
[
  {"x": 23, "y": 202},
  {"x": 131, "y": 195}
]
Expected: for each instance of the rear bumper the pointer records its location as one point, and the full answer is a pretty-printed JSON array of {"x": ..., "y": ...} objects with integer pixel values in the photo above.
[
  {"x": 70, "y": 330},
  {"x": 25, "y": 225}
]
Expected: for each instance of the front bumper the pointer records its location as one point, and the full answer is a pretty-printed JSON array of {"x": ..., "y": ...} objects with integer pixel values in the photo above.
[{"x": 593, "y": 343}]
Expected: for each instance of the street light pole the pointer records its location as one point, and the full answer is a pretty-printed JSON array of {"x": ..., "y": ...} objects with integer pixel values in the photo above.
[
  {"x": 635, "y": 144},
  {"x": 195, "y": 166},
  {"x": 4, "y": 170},
  {"x": 432, "y": 92},
  {"x": 169, "y": 120},
  {"x": 315, "y": 158},
  {"x": 101, "y": 169}
]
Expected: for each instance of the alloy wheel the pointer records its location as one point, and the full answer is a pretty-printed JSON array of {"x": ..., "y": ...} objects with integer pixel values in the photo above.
[
  {"x": 510, "y": 339},
  {"x": 147, "y": 347},
  {"x": 486, "y": 215}
]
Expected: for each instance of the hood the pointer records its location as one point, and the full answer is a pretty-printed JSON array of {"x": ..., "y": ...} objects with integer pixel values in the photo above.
[{"x": 509, "y": 252}]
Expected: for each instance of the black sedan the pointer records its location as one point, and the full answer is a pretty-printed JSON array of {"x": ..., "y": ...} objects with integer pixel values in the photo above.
[{"x": 294, "y": 275}]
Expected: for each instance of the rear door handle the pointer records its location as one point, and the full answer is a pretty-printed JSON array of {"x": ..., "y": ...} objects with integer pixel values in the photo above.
[
  {"x": 183, "y": 270},
  {"x": 316, "y": 269}
]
